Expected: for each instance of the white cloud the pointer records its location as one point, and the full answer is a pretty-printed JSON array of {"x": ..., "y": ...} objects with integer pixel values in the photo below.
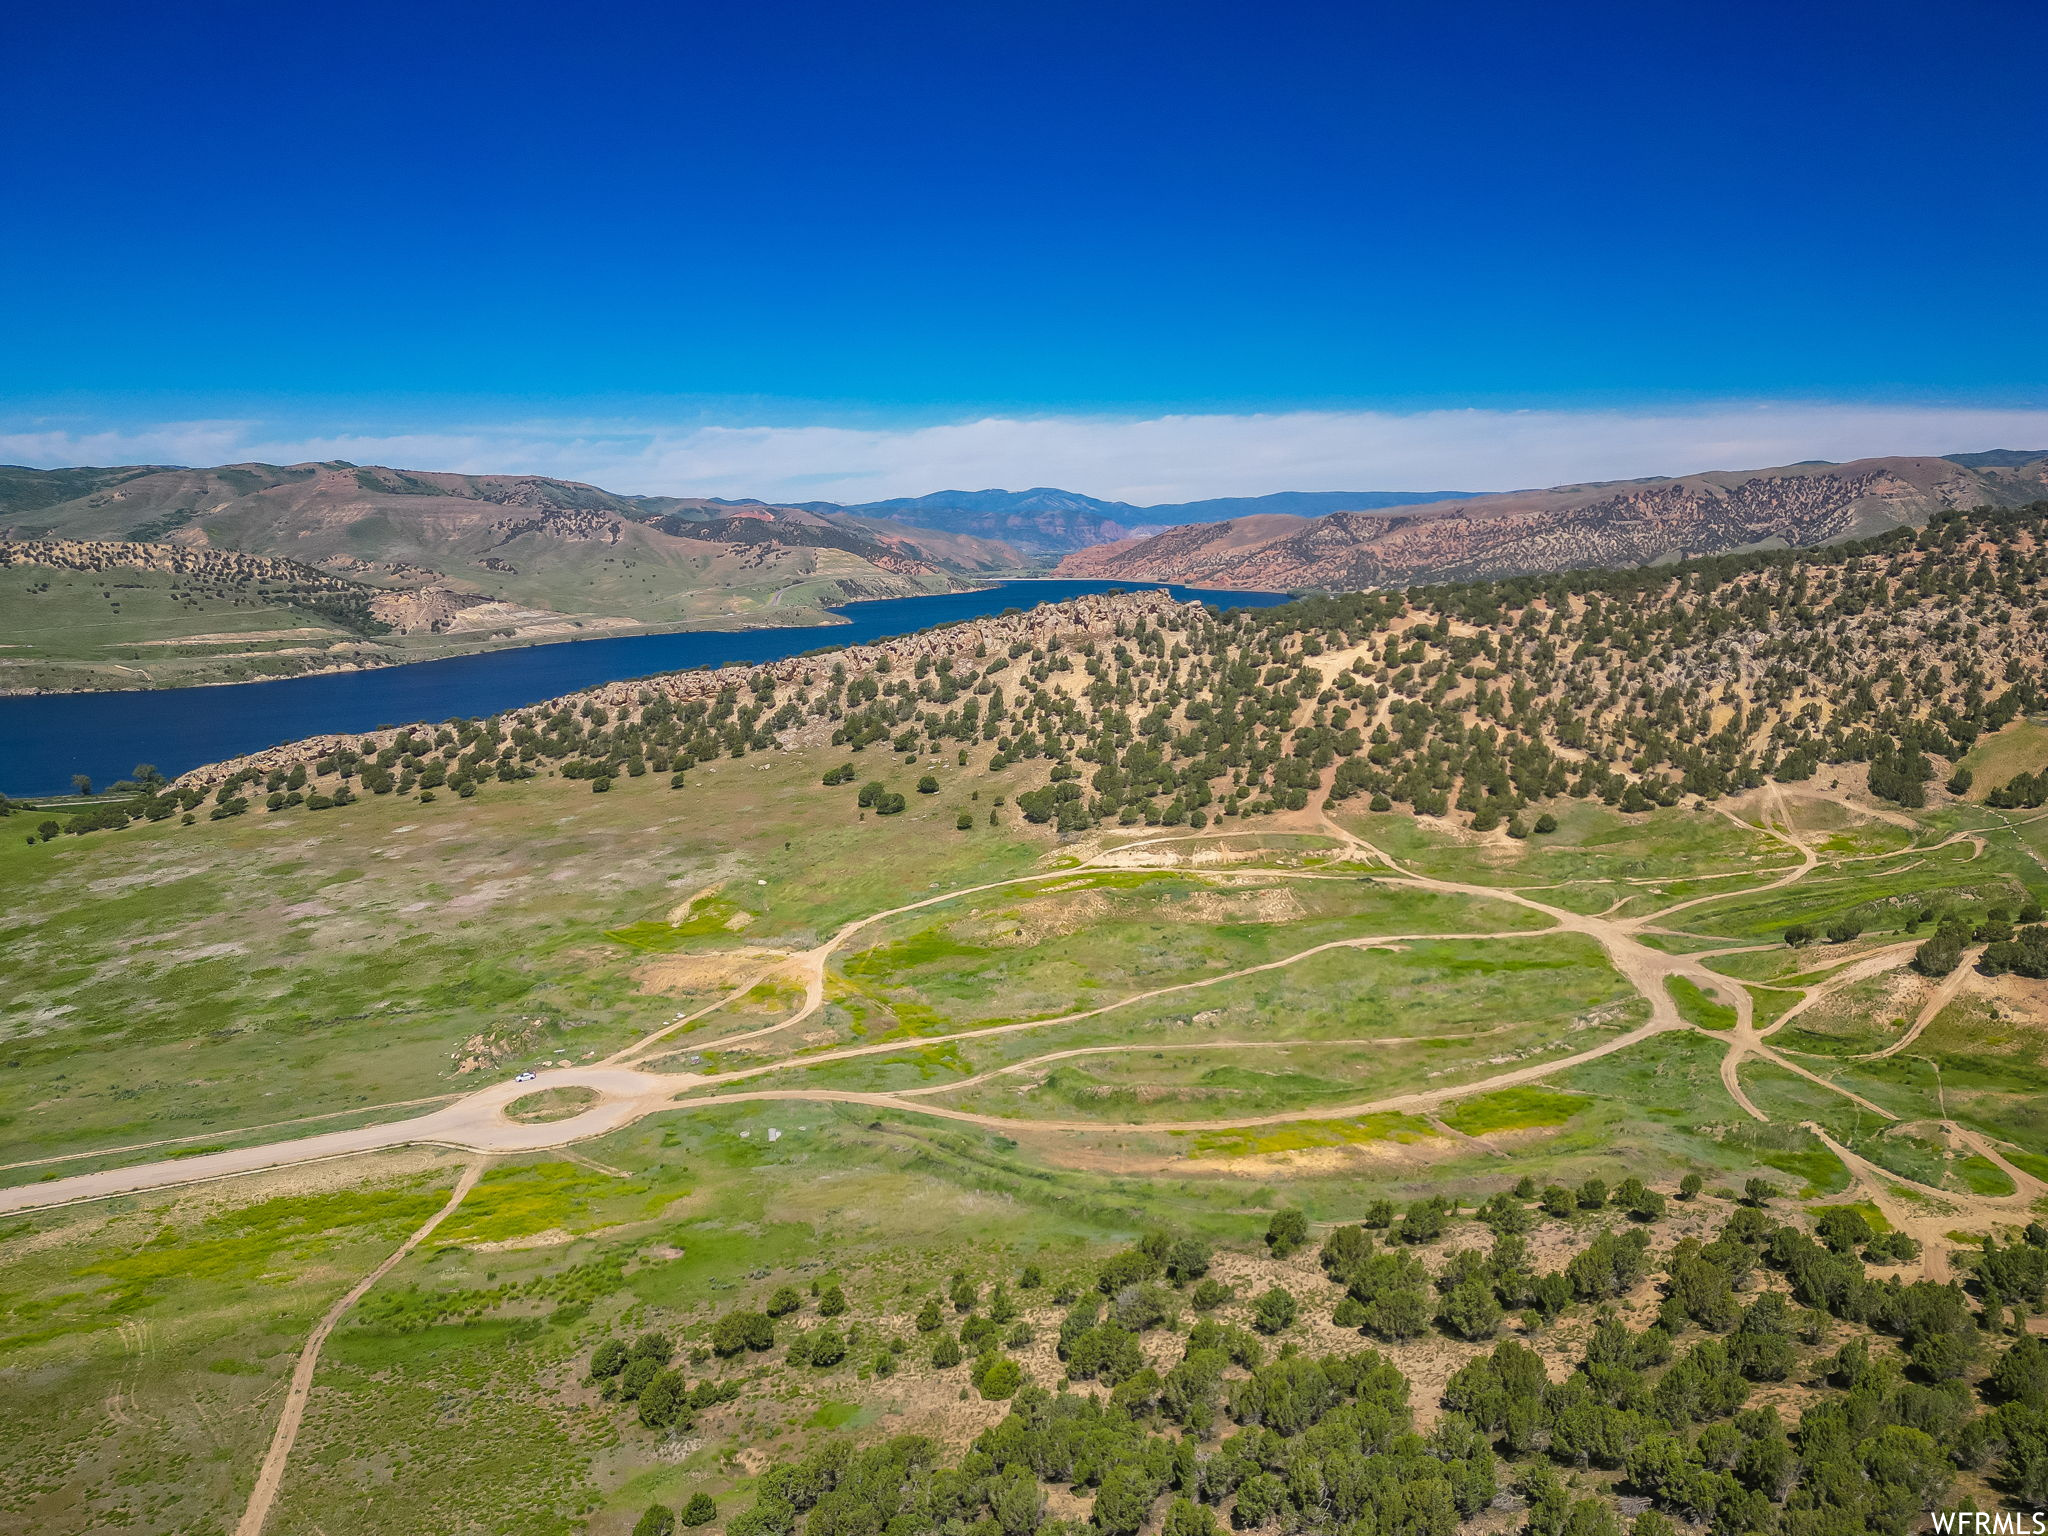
[{"x": 1143, "y": 460}]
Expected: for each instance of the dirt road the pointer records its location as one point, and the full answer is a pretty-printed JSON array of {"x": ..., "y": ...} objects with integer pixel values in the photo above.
[
  {"x": 270, "y": 1476},
  {"x": 477, "y": 1122}
]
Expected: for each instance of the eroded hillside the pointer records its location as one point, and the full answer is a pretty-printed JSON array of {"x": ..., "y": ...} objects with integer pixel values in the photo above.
[
  {"x": 1570, "y": 527},
  {"x": 451, "y": 562}
]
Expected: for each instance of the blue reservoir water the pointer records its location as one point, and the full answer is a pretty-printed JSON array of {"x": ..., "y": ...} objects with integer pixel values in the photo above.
[{"x": 46, "y": 738}]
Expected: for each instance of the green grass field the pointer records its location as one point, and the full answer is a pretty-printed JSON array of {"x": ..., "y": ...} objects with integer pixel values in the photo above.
[
  {"x": 138, "y": 628},
  {"x": 1068, "y": 945},
  {"x": 213, "y": 983},
  {"x": 174, "y": 981}
]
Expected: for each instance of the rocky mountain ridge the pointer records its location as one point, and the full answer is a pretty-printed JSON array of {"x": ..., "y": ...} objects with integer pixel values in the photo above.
[
  {"x": 1626, "y": 523},
  {"x": 563, "y": 547}
]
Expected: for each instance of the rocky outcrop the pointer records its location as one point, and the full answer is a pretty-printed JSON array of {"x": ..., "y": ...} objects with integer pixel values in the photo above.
[
  {"x": 174, "y": 559},
  {"x": 754, "y": 529},
  {"x": 429, "y": 610},
  {"x": 572, "y": 524}
]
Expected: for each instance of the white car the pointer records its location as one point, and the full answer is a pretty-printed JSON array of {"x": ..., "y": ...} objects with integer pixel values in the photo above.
[{"x": 524, "y": 1077}]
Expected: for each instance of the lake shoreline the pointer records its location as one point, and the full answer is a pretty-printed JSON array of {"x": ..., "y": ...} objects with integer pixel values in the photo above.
[
  {"x": 832, "y": 620},
  {"x": 46, "y": 739}
]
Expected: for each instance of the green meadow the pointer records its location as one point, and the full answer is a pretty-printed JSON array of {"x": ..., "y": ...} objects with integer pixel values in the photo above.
[{"x": 1191, "y": 1046}]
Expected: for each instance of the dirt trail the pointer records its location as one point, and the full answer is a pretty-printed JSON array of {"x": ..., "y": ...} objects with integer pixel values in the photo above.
[
  {"x": 1808, "y": 861},
  {"x": 477, "y": 1122},
  {"x": 812, "y": 963},
  {"x": 640, "y": 1049},
  {"x": 1011, "y": 1126},
  {"x": 1951, "y": 984},
  {"x": 1777, "y": 1060},
  {"x": 1876, "y": 963},
  {"x": 1783, "y": 792},
  {"x": 247, "y": 1130},
  {"x": 2013, "y": 827},
  {"x": 1645, "y": 969},
  {"x": 1731, "y": 1084},
  {"x": 1884, "y": 1189},
  {"x": 1927, "y": 1214},
  {"x": 2026, "y": 1188},
  {"x": 884, "y": 1047},
  {"x": 1034, "y": 1062},
  {"x": 270, "y": 1476},
  {"x": 1745, "y": 1040}
]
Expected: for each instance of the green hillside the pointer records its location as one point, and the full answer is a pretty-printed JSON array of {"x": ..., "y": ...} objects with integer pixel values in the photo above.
[{"x": 1559, "y": 1055}]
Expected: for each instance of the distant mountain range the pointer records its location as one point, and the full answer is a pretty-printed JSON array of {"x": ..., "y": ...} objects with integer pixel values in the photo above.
[
  {"x": 1612, "y": 523},
  {"x": 559, "y": 547},
  {"x": 551, "y": 547},
  {"x": 1044, "y": 520}
]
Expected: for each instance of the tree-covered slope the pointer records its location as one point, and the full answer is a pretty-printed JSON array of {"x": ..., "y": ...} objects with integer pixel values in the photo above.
[{"x": 1484, "y": 700}]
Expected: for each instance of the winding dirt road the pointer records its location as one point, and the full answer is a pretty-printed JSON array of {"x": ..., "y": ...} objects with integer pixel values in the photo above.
[
  {"x": 477, "y": 1122},
  {"x": 628, "y": 1092},
  {"x": 1951, "y": 984},
  {"x": 1925, "y": 1213}
]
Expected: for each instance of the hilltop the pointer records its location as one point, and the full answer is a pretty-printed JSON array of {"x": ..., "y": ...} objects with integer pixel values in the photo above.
[
  {"x": 1636, "y": 688},
  {"x": 1615, "y": 523}
]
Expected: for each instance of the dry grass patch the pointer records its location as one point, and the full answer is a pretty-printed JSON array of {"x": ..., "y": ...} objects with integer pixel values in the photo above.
[{"x": 551, "y": 1104}]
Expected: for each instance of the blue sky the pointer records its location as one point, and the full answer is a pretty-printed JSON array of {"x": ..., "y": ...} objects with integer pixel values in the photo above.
[{"x": 577, "y": 237}]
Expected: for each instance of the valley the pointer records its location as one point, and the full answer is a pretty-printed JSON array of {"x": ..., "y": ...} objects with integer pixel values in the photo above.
[
  {"x": 1590, "y": 1027},
  {"x": 807, "y": 770}
]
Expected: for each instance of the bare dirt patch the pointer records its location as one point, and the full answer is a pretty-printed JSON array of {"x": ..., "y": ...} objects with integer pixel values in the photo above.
[
  {"x": 1896, "y": 994},
  {"x": 1270, "y": 904},
  {"x": 2022, "y": 999},
  {"x": 1053, "y": 917},
  {"x": 554, "y": 1237},
  {"x": 243, "y": 637},
  {"x": 703, "y": 973},
  {"x": 120, "y": 885},
  {"x": 680, "y": 912},
  {"x": 486, "y": 894},
  {"x": 1377, "y": 1158},
  {"x": 1171, "y": 856}
]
